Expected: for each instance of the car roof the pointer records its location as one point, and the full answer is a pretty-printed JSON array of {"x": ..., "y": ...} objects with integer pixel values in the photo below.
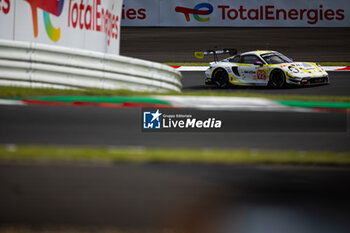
[{"x": 257, "y": 52}]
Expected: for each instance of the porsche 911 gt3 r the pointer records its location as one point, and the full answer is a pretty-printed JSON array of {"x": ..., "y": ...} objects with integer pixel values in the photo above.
[{"x": 261, "y": 68}]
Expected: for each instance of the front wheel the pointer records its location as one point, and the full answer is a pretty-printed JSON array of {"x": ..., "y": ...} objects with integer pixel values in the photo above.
[
  {"x": 221, "y": 78},
  {"x": 277, "y": 79}
]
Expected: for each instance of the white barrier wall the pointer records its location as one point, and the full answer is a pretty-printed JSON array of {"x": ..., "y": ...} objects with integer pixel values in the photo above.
[
  {"x": 72, "y": 44},
  {"x": 40, "y": 65},
  {"x": 236, "y": 13},
  {"x": 85, "y": 24}
]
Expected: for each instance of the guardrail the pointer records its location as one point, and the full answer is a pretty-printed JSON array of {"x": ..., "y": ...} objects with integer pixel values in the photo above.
[{"x": 40, "y": 65}]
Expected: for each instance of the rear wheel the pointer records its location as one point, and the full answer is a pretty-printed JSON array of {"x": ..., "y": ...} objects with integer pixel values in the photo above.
[
  {"x": 221, "y": 78},
  {"x": 277, "y": 79}
]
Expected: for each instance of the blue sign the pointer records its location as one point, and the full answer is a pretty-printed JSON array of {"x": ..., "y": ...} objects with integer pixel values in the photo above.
[{"x": 152, "y": 120}]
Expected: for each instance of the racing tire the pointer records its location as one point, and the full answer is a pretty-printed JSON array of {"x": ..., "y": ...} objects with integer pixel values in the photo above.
[
  {"x": 277, "y": 79},
  {"x": 220, "y": 77}
]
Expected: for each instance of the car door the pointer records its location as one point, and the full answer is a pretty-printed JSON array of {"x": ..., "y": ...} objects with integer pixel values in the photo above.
[{"x": 252, "y": 73}]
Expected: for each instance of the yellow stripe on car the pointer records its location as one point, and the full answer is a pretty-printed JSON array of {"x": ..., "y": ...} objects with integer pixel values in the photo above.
[
  {"x": 308, "y": 71},
  {"x": 234, "y": 81},
  {"x": 318, "y": 69}
]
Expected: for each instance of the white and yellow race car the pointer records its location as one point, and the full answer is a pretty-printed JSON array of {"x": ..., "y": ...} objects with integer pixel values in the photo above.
[{"x": 261, "y": 68}]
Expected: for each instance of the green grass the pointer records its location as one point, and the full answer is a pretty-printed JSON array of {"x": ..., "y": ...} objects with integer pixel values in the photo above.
[
  {"x": 207, "y": 63},
  {"x": 270, "y": 96},
  {"x": 146, "y": 155},
  {"x": 21, "y": 92},
  {"x": 334, "y": 63}
]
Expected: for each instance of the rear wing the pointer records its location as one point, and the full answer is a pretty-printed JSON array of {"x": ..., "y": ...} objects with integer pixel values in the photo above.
[{"x": 201, "y": 55}]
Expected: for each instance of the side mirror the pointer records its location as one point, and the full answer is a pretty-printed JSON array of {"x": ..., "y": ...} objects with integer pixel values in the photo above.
[{"x": 258, "y": 63}]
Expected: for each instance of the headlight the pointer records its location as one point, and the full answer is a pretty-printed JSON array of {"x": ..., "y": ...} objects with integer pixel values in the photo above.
[{"x": 293, "y": 69}]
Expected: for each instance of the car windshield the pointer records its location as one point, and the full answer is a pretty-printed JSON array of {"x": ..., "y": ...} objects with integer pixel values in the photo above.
[{"x": 276, "y": 58}]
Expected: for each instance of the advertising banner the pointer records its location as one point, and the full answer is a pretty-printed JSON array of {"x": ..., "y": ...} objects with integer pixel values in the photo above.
[
  {"x": 86, "y": 24},
  {"x": 236, "y": 13}
]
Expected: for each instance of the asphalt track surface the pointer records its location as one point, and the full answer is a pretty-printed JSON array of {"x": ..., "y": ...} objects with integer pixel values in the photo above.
[
  {"x": 340, "y": 86},
  {"x": 179, "y": 44},
  {"x": 184, "y": 198},
  {"x": 122, "y": 127}
]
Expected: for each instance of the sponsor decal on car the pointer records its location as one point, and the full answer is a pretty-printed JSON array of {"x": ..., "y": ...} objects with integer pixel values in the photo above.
[{"x": 261, "y": 74}]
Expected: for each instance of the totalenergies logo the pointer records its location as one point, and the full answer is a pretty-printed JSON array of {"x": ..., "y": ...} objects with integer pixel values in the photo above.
[
  {"x": 200, "y": 9},
  {"x": 49, "y": 7}
]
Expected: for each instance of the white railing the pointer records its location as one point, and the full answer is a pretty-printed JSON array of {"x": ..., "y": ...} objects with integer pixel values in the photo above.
[{"x": 40, "y": 65}]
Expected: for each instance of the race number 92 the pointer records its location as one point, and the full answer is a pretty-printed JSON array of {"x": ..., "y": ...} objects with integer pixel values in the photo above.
[{"x": 261, "y": 75}]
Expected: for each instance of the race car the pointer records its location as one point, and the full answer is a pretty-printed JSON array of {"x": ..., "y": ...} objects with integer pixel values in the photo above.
[{"x": 261, "y": 68}]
